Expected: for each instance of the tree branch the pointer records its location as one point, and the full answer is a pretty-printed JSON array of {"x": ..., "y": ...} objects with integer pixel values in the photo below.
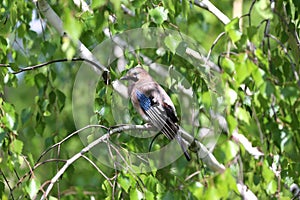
[
  {"x": 207, "y": 5},
  {"x": 8, "y": 185},
  {"x": 201, "y": 150},
  {"x": 203, "y": 153},
  {"x": 57, "y": 23},
  {"x": 51, "y": 62}
]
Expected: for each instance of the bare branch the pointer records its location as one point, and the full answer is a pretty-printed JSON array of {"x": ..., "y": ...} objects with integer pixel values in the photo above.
[
  {"x": 8, "y": 185},
  {"x": 35, "y": 167},
  {"x": 206, "y": 4},
  {"x": 127, "y": 10},
  {"x": 192, "y": 175},
  {"x": 213, "y": 45},
  {"x": 254, "y": 151},
  {"x": 86, "y": 149},
  {"x": 203, "y": 153},
  {"x": 99, "y": 170},
  {"x": 206, "y": 156},
  {"x": 57, "y": 23},
  {"x": 245, "y": 192},
  {"x": 71, "y": 135},
  {"x": 51, "y": 62}
]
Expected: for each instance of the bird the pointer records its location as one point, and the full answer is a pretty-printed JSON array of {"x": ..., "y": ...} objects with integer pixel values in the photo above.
[{"x": 154, "y": 105}]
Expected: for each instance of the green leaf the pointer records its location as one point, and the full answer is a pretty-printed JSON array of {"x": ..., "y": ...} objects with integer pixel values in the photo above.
[
  {"x": 271, "y": 187},
  {"x": 26, "y": 114},
  {"x": 206, "y": 99},
  {"x": 267, "y": 173},
  {"x": 235, "y": 35},
  {"x": 33, "y": 188},
  {"x": 185, "y": 8},
  {"x": 48, "y": 48},
  {"x": 52, "y": 198},
  {"x": 158, "y": 15},
  {"x": 71, "y": 24},
  {"x": 138, "y": 3},
  {"x": 244, "y": 68},
  {"x": 168, "y": 196},
  {"x": 233, "y": 25},
  {"x": 231, "y": 95},
  {"x": 52, "y": 97},
  {"x": 124, "y": 182},
  {"x": 135, "y": 194},
  {"x": 61, "y": 97},
  {"x": 228, "y": 65},
  {"x": 212, "y": 193},
  {"x": 149, "y": 195},
  {"x": 232, "y": 29},
  {"x": 257, "y": 75},
  {"x": 46, "y": 113},
  {"x": 9, "y": 119},
  {"x": 230, "y": 149},
  {"x": 172, "y": 42},
  {"x": 2, "y": 188},
  {"x": 290, "y": 92},
  {"x": 170, "y": 5},
  {"x": 2, "y": 135},
  {"x": 98, "y": 3},
  {"x": 232, "y": 123},
  {"x": 264, "y": 9},
  {"x": 16, "y": 146},
  {"x": 243, "y": 115},
  {"x": 40, "y": 80}
]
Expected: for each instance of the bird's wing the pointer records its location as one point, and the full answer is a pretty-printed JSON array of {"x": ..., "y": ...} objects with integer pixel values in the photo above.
[
  {"x": 157, "y": 115},
  {"x": 161, "y": 114}
]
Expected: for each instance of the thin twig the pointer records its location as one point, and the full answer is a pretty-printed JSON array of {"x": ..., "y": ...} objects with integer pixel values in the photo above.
[
  {"x": 213, "y": 45},
  {"x": 85, "y": 150},
  {"x": 192, "y": 175},
  {"x": 8, "y": 185},
  {"x": 69, "y": 136},
  {"x": 54, "y": 61},
  {"x": 30, "y": 168},
  {"x": 98, "y": 169},
  {"x": 35, "y": 167},
  {"x": 249, "y": 13}
]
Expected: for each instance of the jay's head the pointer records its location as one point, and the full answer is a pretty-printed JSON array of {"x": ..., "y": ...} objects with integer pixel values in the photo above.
[{"x": 136, "y": 74}]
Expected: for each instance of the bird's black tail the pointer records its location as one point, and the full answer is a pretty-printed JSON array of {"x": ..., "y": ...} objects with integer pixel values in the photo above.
[
  {"x": 185, "y": 151},
  {"x": 165, "y": 124}
]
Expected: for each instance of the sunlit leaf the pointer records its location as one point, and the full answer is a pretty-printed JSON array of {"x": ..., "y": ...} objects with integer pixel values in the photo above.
[
  {"x": 272, "y": 187},
  {"x": 228, "y": 65},
  {"x": 124, "y": 182},
  {"x": 72, "y": 25},
  {"x": 17, "y": 146},
  {"x": 158, "y": 15},
  {"x": 242, "y": 115},
  {"x": 231, "y": 95},
  {"x": 33, "y": 187},
  {"x": 172, "y": 42}
]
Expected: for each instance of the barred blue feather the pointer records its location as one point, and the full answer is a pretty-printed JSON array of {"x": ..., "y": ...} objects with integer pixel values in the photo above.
[{"x": 145, "y": 102}]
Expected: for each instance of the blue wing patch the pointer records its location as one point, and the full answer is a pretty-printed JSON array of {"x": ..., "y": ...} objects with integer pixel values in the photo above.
[{"x": 145, "y": 102}]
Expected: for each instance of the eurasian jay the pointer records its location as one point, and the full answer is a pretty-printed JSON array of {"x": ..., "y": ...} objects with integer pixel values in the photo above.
[{"x": 153, "y": 103}]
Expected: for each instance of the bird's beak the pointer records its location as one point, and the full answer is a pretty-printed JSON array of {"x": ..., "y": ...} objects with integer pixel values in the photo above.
[{"x": 124, "y": 78}]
